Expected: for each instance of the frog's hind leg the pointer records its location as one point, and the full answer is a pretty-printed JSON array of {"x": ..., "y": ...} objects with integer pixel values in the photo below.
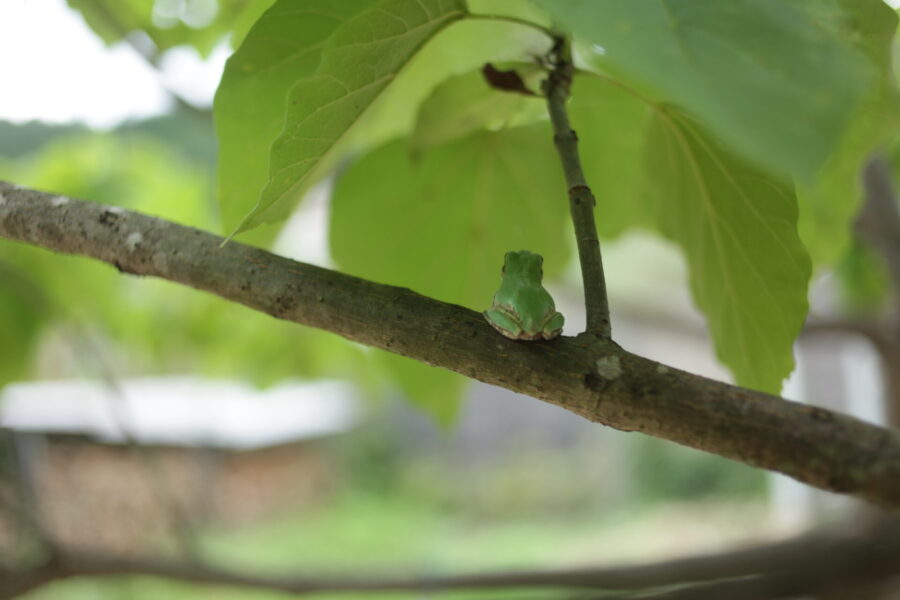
[
  {"x": 554, "y": 326},
  {"x": 502, "y": 323}
]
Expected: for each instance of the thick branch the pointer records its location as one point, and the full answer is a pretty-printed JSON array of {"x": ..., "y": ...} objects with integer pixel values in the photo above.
[
  {"x": 593, "y": 378},
  {"x": 799, "y": 566},
  {"x": 581, "y": 199}
]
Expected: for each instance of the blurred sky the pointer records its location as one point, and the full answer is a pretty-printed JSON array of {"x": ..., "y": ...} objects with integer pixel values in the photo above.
[{"x": 54, "y": 69}]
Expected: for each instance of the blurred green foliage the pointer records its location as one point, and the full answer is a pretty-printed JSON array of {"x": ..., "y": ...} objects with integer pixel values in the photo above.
[
  {"x": 185, "y": 132},
  {"x": 150, "y": 325},
  {"x": 863, "y": 280},
  {"x": 664, "y": 471},
  {"x": 168, "y": 23}
]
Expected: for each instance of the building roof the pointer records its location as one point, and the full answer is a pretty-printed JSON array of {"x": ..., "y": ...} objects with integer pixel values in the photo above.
[{"x": 181, "y": 411}]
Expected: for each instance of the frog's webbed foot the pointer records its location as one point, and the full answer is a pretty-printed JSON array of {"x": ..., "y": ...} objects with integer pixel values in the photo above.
[
  {"x": 553, "y": 326},
  {"x": 502, "y": 322}
]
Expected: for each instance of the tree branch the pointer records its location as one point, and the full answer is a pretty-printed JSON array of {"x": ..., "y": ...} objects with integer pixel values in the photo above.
[
  {"x": 581, "y": 199},
  {"x": 591, "y": 377},
  {"x": 805, "y": 564}
]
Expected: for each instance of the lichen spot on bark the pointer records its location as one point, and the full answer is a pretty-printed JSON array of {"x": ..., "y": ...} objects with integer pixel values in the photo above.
[
  {"x": 662, "y": 369},
  {"x": 134, "y": 239},
  {"x": 59, "y": 201},
  {"x": 609, "y": 367}
]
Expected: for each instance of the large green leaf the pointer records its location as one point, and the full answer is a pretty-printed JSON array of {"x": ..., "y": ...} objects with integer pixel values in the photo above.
[
  {"x": 282, "y": 48},
  {"x": 460, "y": 48},
  {"x": 738, "y": 229},
  {"x": 466, "y": 103},
  {"x": 828, "y": 205},
  {"x": 516, "y": 9},
  {"x": 611, "y": 125},
  {"x": 610, "y": 122},
  {"x": 358, "y": 62},
  {"x": 764, "y": 75},
  {"x": 441, "y": 225}
]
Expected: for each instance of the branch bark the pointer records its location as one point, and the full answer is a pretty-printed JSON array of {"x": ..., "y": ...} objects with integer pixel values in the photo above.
[{"x": 591, "y": 377}]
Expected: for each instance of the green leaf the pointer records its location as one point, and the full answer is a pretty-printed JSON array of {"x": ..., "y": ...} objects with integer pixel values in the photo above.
[
  {"x": 459, "y": 48},
  {"x": 516, "y": 9},
  {"x": 390, "y": 211},
  {"x": 359, "y": 61},
  {"x": 282, "y": 48},
  {"x": 827, "y": 207},
  {"x": 441, "y": 225},
  {"x": 466, "y": 103},
  {"x": 738, "y": 229},
  {"x": 463, "y": 47},
  {"x": 611, "y": 124},
  {"x": 763, "y": 75},
  {"x": 828, "y": 204}
]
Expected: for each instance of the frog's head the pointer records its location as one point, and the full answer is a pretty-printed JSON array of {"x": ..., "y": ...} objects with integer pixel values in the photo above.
[{"x": 523, "y": 263}]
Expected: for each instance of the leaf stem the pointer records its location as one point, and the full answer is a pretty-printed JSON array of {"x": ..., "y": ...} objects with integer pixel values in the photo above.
[{"x": 581, "y": 200}]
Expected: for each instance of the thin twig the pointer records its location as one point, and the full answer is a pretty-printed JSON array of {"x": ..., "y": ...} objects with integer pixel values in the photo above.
[{"x": 581, "y": 199}]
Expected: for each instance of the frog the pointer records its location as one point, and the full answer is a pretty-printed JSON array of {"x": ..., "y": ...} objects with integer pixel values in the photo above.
[{"x": 522, "y": 309}]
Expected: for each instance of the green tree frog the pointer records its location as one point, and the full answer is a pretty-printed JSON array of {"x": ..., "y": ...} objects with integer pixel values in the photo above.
[{"x": 522, "y": 309}]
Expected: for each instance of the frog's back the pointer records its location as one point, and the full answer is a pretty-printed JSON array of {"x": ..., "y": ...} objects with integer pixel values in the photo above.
[{"x": 541, "y": 302}]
